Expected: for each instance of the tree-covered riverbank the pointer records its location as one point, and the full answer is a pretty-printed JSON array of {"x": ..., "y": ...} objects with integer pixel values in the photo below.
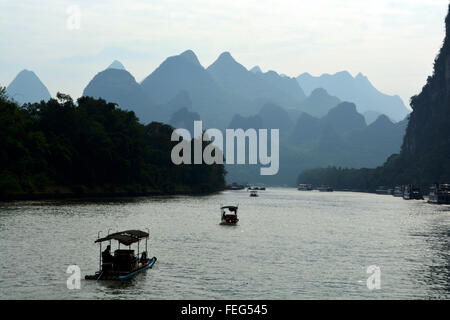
[{"x": 61, "y": 148}]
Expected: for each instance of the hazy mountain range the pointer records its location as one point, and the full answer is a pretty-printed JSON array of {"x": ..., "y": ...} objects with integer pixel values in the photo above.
[
  {"x": 339, "y": 138},
  {"x": 317, "y": 125},
  {"x": 219, "y": 91},
  {"x": 358, "y": 90}
]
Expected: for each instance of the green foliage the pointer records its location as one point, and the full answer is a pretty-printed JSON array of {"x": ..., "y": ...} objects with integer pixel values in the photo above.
[{"x": 91, "y": 146}]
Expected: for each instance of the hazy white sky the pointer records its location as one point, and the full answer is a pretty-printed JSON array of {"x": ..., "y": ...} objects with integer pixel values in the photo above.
[{"x": 392, "y": 42}]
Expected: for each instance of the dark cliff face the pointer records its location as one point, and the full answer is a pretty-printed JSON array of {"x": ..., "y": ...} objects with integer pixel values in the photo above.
[
  {"x": 429, "y": 126},
  {"x": 425, "y": 154},
  {"x": 426, "y": 146}
]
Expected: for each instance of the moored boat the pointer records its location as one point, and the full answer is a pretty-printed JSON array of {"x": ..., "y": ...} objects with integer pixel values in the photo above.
[
  {"x": 256, "y": 188},
  {"x": 412, "y": 192},
  {"x": 325, "y": 189},
  {"x": 124, "y": 264},
  {"x": 398, "y": 191},
  {"x": 304, "y": 187},
  {"x": 236, "y": 186},
  {"x": 439, "y": 193},
  {"x": 383, "y": 190}
]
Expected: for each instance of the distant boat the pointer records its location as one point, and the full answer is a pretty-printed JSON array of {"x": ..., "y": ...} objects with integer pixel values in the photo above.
[
  {"x": 439, "y": 193},
  {"x": 236, "y": 186},
  {"x": 256, "y": 188},
  {"x": 253, "y": 193},
  {"x": 412, "y": 192},
  {"x": 398, "y": 191},
  {"x": 325, "y": 189},
  {"x": 229, "y": 215},
  {"x": 383, "y": 190},
  {"x": 124, "y": 264},
  {"x": 304, "y": 187}
]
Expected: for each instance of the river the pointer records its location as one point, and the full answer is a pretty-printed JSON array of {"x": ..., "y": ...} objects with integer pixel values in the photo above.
[{"x": 288, "y": 244}]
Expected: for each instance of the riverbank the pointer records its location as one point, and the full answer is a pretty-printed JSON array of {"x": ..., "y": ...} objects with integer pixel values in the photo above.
[{"x": 83, "y": 193}]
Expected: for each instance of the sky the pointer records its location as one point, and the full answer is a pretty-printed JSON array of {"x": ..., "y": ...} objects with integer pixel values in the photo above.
[{"x": 66, "y": 43}]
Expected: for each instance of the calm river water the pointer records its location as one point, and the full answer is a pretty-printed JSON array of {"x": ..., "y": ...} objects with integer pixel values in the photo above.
[{"x": 288, "y": 244}]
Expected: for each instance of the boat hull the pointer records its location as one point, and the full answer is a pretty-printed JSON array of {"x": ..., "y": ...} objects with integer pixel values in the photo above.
[
  {"x": 116, "y": 275},
  {"x": 229, "y": 222},
  {"x": 439, "y": 199}
]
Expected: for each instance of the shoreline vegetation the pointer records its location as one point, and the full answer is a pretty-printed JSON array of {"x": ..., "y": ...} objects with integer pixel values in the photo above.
[
  {"x": 98, "y": 194},
  {"x": 61, "y": 149}
]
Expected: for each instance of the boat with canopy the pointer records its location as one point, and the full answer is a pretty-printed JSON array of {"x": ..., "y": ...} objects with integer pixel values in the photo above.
[
  {"x": 124, "y": 264},
  {"x": 229, "y": 215}
]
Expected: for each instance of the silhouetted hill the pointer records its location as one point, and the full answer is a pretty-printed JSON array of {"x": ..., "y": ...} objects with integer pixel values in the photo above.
[
  {"x": 222, "y": 90},
  {"x": 371, "y": 116},
  {"x": 250, "y": 122},
  {"x": 27, "y": 87},
  {"x": 116, "y": 65},
  {"x": 305, "y": 132},
  {"x": 425, "y": 153},
  {"x": 183, "y": 118},
  {"x": 184, "y": 73},
  {"x": 119, "y": 86},
  {"x": 340, "y": 138},
  {"x": 256, "y": 69},
  {"x": 344, "y": 118},
  {"x": 275, "y": 117},
  {"x": 178, "y": 73},
  {"x": 319, "y": 102},
  {"x": 378, "y": 141},
  {"x": 358, "y": 90},
  {"x": 255, "y": 87},
  {"x": 181, "y": 101},
  {"x": 289, "y": 88},
  {"x": 235, "y": 78},
  {"x": 427, "y": 140}
]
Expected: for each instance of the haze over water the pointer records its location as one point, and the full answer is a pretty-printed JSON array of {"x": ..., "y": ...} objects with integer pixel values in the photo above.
[{"x": 287, "y": 245}]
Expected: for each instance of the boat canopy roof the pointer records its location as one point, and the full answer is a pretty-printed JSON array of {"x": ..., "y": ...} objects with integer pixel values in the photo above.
[
  {"x": 125, "y": 237},
  {"x": 229, "y": 207}
]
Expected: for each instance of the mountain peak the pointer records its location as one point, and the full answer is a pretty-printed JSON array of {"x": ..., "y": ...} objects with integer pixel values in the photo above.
[
  {"x": 190, "y": 56},
  {"x": 362, "y": 78},
  {"x": 225, "y": 59},
  {"x": 344, "y": 74},
  {"x": 319, "y": 92},
  {"x": 383, "y": 119},
  {"x": 226, "y": 64},
  {"x": 225, "y": 55},
  {"x": 345, "y": 118},
  {"x": 382, "y": 123},
  {"x": 305, "y": 74},
  {"x": 256, "y": 69},
  {"x": 272, "y": 73},
  {"x": 27, "y": 74},
  {"x": 347, "y": 106},
  {"x": 27, "y": 87},
  {"x": 357, "y": 89},
  {"x": 116, "y": 65}
]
